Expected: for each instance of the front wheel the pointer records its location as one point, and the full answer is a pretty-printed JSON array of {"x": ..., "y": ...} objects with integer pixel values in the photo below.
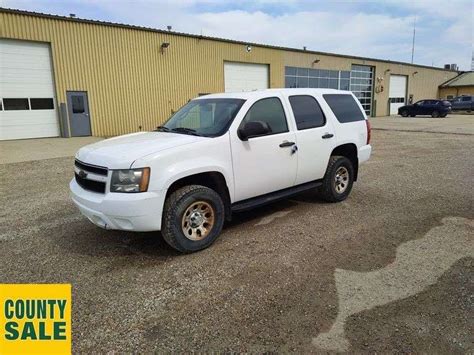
[
  {"x": 338, "y": 180},
  {"x": 404, "y": 113},
  {"x": 192, "y": 219}
]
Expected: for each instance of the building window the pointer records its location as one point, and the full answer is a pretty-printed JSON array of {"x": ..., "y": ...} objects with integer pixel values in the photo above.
[
  {"x": 77, "y": 104},
  {"x": 42, "y": 104},
  {"x": 316, "y": 78},
  {"x": 361, "y": 84},
  {"x": 359, "y": 80},
  {"x": 16, "y": 104}
]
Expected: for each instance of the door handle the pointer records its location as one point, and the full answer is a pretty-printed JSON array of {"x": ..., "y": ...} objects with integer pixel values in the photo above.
[
  {"x": 327, "y": 135},
  {"x": 286, "y": 144}
]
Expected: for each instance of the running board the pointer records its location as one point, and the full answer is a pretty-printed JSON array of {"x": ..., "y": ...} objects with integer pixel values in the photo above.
[{"x": 274, "y": 196}]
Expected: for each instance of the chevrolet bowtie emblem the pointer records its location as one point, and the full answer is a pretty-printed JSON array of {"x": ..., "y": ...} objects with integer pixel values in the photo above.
[{"x": 82, "y": 174}]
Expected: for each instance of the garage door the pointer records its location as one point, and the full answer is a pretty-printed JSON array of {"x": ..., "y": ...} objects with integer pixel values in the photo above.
[
  {"x": 397, "y": 92},
  {"x": 245, "y": 76},
  {"x": 26, "y": 91}
]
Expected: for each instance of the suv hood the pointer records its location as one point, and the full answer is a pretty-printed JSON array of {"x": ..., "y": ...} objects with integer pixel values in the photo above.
[{"x": 120, "y": 152}]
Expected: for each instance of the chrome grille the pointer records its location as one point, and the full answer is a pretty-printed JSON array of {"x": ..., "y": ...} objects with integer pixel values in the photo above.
[{"x": 90, "y": 177}]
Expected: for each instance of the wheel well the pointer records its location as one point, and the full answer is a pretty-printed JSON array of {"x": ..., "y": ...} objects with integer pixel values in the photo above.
[
  {"x": 350, "y": 152},
  {"x": 212, "y": 179}
]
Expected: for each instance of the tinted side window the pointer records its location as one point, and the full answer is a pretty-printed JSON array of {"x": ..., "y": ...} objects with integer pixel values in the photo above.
[
  {"x": 270, "y": 111},
  {"x": 307, "y": 112},
  {"x": 466, "y": 98},
  {"x": 344, "y": 107}
]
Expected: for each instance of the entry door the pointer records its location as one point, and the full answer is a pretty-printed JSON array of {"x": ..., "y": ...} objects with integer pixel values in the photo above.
[
  {"x": 265, "y": 163},
  {"x": 79, "y": 118}
]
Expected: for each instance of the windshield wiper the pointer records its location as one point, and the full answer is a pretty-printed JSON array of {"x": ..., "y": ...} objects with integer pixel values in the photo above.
[
  {"x": 185, "y": 130},
  {"x": 162, "y": 129}
]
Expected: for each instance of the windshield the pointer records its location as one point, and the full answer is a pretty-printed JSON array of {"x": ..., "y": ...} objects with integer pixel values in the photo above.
[{"x": 204, "y": 117}]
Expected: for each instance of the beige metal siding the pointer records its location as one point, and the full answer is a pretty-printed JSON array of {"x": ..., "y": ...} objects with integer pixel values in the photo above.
[
  {"x": 128, "y": 81},
  {"x": 131, "y": 84},
  {"x": 456, "y": 91}
]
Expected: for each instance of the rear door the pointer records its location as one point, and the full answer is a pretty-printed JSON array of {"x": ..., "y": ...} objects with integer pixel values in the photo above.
[
  {"x": 314, "y": 136},
  {"x": 267, "y": 163}
]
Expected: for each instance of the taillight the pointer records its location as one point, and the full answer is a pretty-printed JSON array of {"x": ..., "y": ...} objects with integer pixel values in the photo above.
[{"x": 367, "y": 123}]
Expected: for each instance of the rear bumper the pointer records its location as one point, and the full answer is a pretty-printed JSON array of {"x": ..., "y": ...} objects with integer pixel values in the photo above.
[
  {"x": 364, "y": 153},
  {"x": 140, "y": 212}
]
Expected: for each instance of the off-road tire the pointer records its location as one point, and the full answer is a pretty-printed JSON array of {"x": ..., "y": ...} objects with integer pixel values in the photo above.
[
  {"x": 176, "y": 205},
  {"x": 327, "y": 190},
  {"x": 404, "y": 113},
  {"x": 435, "y": 114}
]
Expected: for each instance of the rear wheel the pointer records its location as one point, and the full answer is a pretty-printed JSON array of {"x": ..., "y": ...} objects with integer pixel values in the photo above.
[
  {"x": 192, "y": 218},
  {"x": 338, "y": 180},
  {"x": 404, "y": 113},
  {"x": 443, "y": 115},
  {"x": 435, "y": 114}
]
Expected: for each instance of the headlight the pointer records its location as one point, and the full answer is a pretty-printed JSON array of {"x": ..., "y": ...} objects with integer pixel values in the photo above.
[{"x": 133, "y": 180}]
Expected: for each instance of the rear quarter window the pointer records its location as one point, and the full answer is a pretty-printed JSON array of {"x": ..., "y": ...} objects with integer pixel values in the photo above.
[{"x": 344, "y": 107}]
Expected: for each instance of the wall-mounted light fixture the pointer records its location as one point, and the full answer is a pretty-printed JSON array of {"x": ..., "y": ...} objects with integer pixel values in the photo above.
[
  {"x": 248, "y": 48},
  {"x": 386, "y": 71},
  {"x": 316, "y": 61},
  {"x": 163, "y": 46},
  {"x": 415, "y": 72}
]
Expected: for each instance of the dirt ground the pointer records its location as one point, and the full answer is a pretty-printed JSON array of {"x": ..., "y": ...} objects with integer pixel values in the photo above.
[{"x": 388, "y": 270}]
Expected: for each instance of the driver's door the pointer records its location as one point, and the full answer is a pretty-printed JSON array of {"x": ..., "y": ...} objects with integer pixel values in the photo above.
[{"x": 265, "y": 163}]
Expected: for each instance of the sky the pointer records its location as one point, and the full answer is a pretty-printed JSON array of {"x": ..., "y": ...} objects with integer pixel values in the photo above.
[{"x": 367, "y": 28}]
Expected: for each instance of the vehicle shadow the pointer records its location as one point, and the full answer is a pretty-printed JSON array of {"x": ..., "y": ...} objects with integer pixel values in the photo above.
[
  {"x": 82, "y": 237},
  {"x": 258, "y": 213}
]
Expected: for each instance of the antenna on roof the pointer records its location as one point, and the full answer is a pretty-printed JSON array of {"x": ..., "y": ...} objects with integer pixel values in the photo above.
[
  {"x": 413, "y": 41},
  {"x": 169, "y": 28}
]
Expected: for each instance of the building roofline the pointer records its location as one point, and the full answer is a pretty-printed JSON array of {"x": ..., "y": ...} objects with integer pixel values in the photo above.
[
  {"x": 217, "y": 39},
  {"x": 451, "y": 82}
]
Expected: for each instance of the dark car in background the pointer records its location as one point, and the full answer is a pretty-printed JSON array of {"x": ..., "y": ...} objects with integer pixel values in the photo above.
[
  {"x": 435, "y": 108},
  {"x": 463, "y": 103}
]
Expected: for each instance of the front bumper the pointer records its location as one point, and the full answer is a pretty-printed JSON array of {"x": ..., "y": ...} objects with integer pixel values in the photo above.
[{"x": 139, "y": 212}]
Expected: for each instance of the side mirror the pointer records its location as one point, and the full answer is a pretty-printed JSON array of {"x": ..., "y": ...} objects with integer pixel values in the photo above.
[{"x": 253, "y": 129}]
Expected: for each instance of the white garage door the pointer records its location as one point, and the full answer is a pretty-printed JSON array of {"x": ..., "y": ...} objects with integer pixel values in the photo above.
[
  {"x": 397, "y": 92},
  {"x": 245, "y": 76},
  {"x": 26, "y": 91}
]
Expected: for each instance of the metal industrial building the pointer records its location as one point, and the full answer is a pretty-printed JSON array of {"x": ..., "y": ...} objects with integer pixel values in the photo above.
[
  {"x": 463, "y": 84},
  {"x": 63, "y": 76}
]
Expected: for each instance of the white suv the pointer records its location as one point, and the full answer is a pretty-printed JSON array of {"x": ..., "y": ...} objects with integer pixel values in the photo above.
[{"x": 220, "y": 154}]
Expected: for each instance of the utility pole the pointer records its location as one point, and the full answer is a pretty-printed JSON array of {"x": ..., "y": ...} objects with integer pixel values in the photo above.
[{"x": 413, "y": 42}]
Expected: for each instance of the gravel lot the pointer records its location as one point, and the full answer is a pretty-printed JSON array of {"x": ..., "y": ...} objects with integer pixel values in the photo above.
[{"x": 275, "y": 279}]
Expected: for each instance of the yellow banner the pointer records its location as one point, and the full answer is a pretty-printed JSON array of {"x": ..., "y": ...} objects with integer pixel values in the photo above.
[{"x": 35, "y": 319}]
